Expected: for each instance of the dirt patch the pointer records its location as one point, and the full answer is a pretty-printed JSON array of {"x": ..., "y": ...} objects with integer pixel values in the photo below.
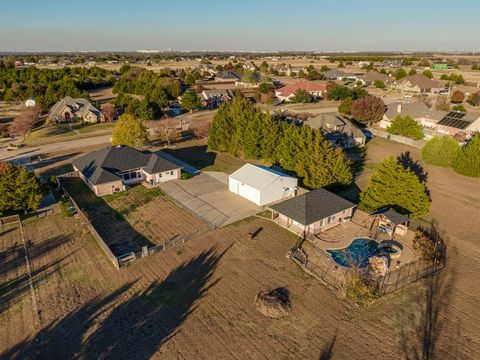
[{"x": 273, "y": 303}]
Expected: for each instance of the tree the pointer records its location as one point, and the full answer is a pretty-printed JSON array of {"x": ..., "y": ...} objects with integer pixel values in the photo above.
[
  {"x": 440, "y": 151},
  {"x": 190, "y": 100},
  {"x": 345, "y": 106},
  {"x": 379, "y": 84},
  {"x": 457, "y": 97},
  {"x": 264, "y": 88},
  {"x": 20, "y": 189},
  {"x": 302, "y": 96},
  {"x": 474, "y": 99},
  {"x": 467, "y": 161},
  {"x": 428, "y": 74},
  {"x": 340, "y": 92},
  {"x": 406, "y": 126},
  {"x": 324, "y": 68},
  {"x": 412, "y": 72},
  {"x": 393, "y": 186},
  {"x": 23, "y": 123},
  {"x": 263, "y": 67},
  {"x": 400, "y": 74},
  {"x": 368, "y": 110},
  {"x": 108, "y": 111},
  {"x": 167, "y": 130},
  {"x": 129, "y": 131}
]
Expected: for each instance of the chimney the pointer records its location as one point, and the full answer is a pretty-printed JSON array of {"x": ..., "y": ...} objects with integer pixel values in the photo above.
[{"x": 399, "y": 108}]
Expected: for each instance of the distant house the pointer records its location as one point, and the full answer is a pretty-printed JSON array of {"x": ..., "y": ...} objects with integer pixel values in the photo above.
[
  {"x": 418, "y": 84},
  {"x": 213, "y": 98},
  {"x": 69, "y": 110},
  {"x": 227, "y": 75},
  {"x": 417, "y": 111},
  {"x": 336, "y": 74},
  {"x": 111, "y": 169},
  {"x": 283, "y": 69},
  {"x": 372, "y": 76},
  {"x": 457, "y": 123},
  {"x": 261, "y": 185},
  {"x": 338, "y": 130},
  {"x": 287, "y": 92},
  {"x": 312, "y": 212},
  {"x": 249, "y": 66},
  {"x": 392, "y": 63},
  {"x": 30, "y": 102}
]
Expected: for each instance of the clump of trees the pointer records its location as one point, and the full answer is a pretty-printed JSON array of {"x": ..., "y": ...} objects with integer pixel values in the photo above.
[
  {"x": 302, "y": 96},
  {"x": 440, "y": 151},
  {"x": 428, "y": 74},
  {"x": 379, "y": 84},
  {"x": 394, "y": 186},
  {"x": 241, "y": 129},
  {"x": 456, "y": 78},
  {"x": 48, "y": 86},
  {"x": 368, "y": 110},
  {"x": 406, "y": 126},
  {"x": 340, "y": 92},
  {"x": 190, "y": 100},
  {"x": 19, "y": 188},
  {"x": 467, "y": 161},
  {"x": 129, "y": 131},
  {"x": 400, "y": 74}
]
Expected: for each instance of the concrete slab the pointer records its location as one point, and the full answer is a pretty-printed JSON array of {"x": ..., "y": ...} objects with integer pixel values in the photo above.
[{"x": 209, "y": 198}]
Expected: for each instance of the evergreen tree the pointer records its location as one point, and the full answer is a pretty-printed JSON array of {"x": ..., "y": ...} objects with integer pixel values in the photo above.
[
  {"x": 346, "y": 106},
  {"x": 287, "y": 148},
  {"x": 393, "y": 186},
  {"x": 406, "y": 126},
  {"x": 467, "y": 161},
  {"x": 440, "y": 151},
  {"x": 19, "y": 188},
  {"x": 129, "y": 131},
  {"x": 270, "y": 131},
  {"x": 190, "y": 100}
]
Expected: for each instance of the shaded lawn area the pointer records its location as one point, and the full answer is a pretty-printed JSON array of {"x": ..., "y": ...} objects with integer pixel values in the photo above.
[
  {"x": 89, "y": 128},
  {"x": 196, "y": 153}
]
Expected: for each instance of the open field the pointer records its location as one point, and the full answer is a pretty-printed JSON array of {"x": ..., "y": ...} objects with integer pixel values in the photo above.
[
  {"x": 129, "y": 220},
  {"x": 197, "y": 300}
]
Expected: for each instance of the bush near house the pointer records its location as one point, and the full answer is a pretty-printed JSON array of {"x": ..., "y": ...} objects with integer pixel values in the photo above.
[
  {"x": 302, "y": 96},
  {"x": 440, "y": 151},
  {"x": 368, "y": 110},
  {"x": 361, "y": 290},
  {"x": 467, "y": 161},
  {"x": 406, "y": 126}
]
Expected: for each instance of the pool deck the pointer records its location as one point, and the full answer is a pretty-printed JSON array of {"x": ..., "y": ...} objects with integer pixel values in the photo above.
[{"x": 342, "y": 235}]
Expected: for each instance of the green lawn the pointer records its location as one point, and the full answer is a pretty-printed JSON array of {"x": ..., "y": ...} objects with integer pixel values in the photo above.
[{"x": 89, "y": 128}]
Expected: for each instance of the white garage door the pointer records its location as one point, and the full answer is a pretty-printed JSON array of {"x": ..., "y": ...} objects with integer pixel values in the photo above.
[{"x": 248, "y": 193}]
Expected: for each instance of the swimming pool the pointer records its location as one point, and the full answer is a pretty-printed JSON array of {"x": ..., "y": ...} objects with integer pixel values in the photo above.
[{"x": 356, "y": 254}]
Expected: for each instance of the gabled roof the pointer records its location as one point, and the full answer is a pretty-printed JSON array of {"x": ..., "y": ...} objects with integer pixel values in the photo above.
[
  {"x": 312, "y": 206},
  {"x": 212, "y": 93},
  {"x": 80, "y": 105},
  {"x": 103, "y": 165},
  {"x": 343, "y": 125},
  {"x": 371, "y": 76},
  {"x": 336, "y": 73},
  {"x": 414, "y": 110},
  {"x": 290, "y": 89},
  {"x": 228, "y": 75},
  {"x": 421, "y": 81},
  {"x": 257, "y": 176},
  {"x": 394, "y": 217}
]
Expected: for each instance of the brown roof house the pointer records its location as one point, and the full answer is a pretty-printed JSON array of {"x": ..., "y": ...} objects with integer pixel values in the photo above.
[
  {"x": 70, "y": 109},
  {"x": 312, "y": 212},
  {"x": 113, "y": 168},
  {"x": 372, "y": 76},
  {"x": 418, "y": 84},
  {"x": 418, "y": 111},
  {"x": 317, "y": 90},
  {"x": 337, "y": 129}
]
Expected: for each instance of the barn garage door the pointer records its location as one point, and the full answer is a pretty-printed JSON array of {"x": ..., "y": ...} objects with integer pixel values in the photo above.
[{"x": 247, "y": 192}]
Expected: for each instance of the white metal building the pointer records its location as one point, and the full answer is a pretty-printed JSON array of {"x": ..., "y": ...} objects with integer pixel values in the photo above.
[{"x": 261, "y": 185}]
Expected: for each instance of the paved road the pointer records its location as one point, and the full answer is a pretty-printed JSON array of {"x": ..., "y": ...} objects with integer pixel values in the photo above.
[{"x": 73, "y": 144}]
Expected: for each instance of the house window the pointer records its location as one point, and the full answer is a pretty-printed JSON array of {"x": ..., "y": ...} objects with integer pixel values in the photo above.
[
  {"x": 126, "y": 176},
  {"x": 171, "y": 172},
  {"x": 330, "y": 219},
  {"x": 133, "y": 175},
  {"x": 160, "y": 175}
]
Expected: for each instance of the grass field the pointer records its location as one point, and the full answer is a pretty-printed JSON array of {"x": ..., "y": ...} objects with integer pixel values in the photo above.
[{"x": 198, "y": 300}]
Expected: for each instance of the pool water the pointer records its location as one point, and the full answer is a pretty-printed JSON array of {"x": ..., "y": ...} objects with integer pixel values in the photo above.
[{"x": 356, "y": 254}]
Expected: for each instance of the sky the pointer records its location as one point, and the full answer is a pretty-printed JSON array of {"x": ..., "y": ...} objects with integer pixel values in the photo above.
[{"x": 246, "y": 25}]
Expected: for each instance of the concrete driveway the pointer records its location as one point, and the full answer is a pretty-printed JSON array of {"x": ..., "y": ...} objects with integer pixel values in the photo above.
[{"x": 209, "y": 198}]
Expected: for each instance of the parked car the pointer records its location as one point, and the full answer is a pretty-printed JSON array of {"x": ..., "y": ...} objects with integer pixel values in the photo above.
[
  {"x": 368, "y": 134},
  {"x": 13, "y": 147}
]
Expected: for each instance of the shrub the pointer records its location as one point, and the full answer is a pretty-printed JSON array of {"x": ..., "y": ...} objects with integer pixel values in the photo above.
[
  {"x": 368, "y": 110},
  {"x": 186, "y": 175},
  {"x": 406, "y": 126},
  {"x": 440, "y": 151},
  {"x": 425, "y": 246},
  {"x": 361, "y": 289}
]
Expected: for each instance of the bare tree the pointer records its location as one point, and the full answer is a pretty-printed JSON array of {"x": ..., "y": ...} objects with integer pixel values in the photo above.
[
  {"x": 23, "y": 123},
  {"x": 108, "y": 111},
  {"x": 168, "y": 130},
  {"x": 200, "y": 129}
]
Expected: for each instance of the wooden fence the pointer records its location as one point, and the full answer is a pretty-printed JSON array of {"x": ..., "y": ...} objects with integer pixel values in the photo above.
[{"x": 9, "y": 220}]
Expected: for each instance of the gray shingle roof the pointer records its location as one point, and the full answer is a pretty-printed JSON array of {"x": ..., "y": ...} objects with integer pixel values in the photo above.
[
  {"x": 394, "y": 217},
  {"x": 313, "y": 206},
  {"x": 80, "y": 105},
  {"x": 103, "y": 165},
  {"x": 343, "y": 125}
]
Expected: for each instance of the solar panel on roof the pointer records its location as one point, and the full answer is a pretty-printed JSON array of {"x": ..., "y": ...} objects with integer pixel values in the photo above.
[{"x": 453, "y": 119}]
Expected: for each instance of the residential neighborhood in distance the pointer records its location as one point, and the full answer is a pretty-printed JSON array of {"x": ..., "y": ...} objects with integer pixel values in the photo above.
[{"x": 264, "y": 180}]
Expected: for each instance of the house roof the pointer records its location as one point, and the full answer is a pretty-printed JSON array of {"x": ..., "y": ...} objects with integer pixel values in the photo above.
[
  {"x": 336, "y": 73},
  {"x": 228, "y": 75},
  {"x": 414, "y": 110},
  {"x": 212, "y": 93},
  {"x": 331, "y": 123},
  {"x": 458, "y": 120},
  {"x": 80, "y": 105},
  {"x": 371, "y": 76},
  {"x": 312, "y": 206},
  {"x": 394, "y": 217},
  {"x": 421, "y": 81},
  {"x": 103, "y": 165},
  {"x": 257, "y": 176},
  {"x": 290, "y": 89}
]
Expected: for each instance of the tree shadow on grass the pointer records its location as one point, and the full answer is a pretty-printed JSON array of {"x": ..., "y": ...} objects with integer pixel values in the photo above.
[
  {"x": 112, "y": 327},
  {"x": 405, "y": 159},
  {"x": 327, "y": 350},
  {"x": 198, "y": 156}
]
